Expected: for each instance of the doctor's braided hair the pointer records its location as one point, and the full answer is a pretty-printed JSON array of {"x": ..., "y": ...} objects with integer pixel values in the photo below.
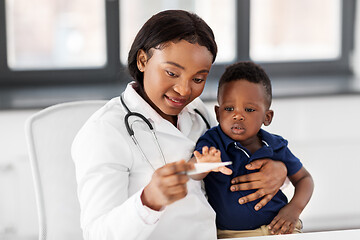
[{"x": 165, "y": 26}]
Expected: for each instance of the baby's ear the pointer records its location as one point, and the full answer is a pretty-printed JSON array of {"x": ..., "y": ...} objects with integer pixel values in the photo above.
[{"x": 268, "y": 117}]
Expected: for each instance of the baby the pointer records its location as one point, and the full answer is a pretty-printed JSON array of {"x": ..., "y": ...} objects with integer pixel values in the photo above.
[{"x": 244, "y": 98}]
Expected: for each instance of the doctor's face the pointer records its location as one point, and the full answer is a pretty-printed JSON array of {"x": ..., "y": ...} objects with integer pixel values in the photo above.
[{"x": 174, "y": 76}]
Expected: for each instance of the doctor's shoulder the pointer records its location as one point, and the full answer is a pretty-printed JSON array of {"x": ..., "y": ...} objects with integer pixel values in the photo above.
[
  {"x": 104, "y": 132},
  {"x": 110, "y": 113},
  {"x": 106, "y": 122}
]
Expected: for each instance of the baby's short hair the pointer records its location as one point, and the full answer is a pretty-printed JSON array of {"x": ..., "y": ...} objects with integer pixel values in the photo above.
[{"x": 248, "y": 71}]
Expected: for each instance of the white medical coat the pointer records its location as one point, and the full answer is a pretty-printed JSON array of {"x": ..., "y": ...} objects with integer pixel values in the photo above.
[{"x": 111, "y": 173}]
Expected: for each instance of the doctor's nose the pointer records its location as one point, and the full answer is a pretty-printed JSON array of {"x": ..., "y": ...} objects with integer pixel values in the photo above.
[{"x": 183, "y": 88}]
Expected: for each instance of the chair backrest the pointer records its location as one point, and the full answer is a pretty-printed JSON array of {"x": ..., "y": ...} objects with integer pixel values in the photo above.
[{"x": 49, "y": 135}]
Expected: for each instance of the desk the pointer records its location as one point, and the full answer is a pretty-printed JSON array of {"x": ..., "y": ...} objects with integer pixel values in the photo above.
[{"x": 330, "y": 235}]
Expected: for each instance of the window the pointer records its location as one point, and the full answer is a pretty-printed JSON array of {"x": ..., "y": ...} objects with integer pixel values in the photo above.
[
  {"x": 220, "y": 15},
  {"x": 56, "y": 34},
  {"x": 87, "y": 41},
  {"x": 297, "y": 38},
  {"x": 287, "y": 37},
  {"x": 58, "y": 42},
  {"x": 292, "y": 30}
]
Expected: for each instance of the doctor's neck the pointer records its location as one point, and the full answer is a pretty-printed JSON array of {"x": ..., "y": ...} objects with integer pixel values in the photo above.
[{"x": 171, "y": 118}]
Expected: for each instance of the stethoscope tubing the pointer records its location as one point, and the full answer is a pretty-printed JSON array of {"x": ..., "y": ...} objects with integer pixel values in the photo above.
[
  {"x": 132, "y": 133},
  {"x": 142, "y": 117}
]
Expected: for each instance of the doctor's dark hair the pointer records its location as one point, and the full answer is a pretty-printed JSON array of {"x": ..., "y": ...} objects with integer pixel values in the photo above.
[
  {"x": 248, "y": 71},
  {"x": 170, "y": 25}
]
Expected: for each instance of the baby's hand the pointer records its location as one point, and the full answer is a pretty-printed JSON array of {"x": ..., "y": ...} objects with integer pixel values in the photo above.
[
  {"x": 208, "y": 155},
  {"x": 285, "y": 221},
  {"x": 211, "y": 155}
]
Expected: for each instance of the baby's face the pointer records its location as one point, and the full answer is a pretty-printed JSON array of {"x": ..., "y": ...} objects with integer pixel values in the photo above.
[{"x": 242, "y": 110}]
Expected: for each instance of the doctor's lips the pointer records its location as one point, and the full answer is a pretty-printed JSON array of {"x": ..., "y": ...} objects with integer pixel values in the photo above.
[{"x": 177, "y": 102}]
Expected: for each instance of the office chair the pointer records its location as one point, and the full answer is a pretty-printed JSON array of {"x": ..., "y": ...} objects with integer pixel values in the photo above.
[{"x": 49, "y": 135}]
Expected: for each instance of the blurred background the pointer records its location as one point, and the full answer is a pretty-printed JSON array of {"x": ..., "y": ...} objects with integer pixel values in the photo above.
[{"x": 54, "y": 51}]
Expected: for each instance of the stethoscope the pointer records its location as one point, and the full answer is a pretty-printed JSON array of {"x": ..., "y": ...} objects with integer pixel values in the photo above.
[{"x": 142, "y": 117}]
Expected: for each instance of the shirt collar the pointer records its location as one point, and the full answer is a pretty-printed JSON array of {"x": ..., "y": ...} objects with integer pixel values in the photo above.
[
  {"x": 270, "y": 140},
  {"x": 225, "y": 138},
  {"x": 274, "y": 141}
]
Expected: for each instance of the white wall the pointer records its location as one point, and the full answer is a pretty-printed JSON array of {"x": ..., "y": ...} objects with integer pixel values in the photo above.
[
  {"x": 324, "y": 134},
  {"x": 17, "y": 202}
]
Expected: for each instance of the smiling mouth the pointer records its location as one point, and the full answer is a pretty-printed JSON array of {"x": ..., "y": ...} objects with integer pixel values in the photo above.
[{"x": 176, "y": 102}]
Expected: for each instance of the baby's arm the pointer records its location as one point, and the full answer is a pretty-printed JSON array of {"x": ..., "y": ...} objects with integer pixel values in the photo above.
[
  {"x": 208, "y": 155},
  {"x": 288, "y": 216}
]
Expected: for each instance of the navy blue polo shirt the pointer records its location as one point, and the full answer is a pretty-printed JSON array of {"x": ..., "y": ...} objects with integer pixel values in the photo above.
[{"x": 230, "y": 215}]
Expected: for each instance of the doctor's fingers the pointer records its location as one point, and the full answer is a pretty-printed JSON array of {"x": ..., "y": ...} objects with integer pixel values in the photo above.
[
  {"x": 175, "y": 168},
  {"x": 170, "y": 194},
  {"x": 248, "y": 178},
  {"x": 175, "y": 180},
  {"x": 246, "y": 186},
  {"x": 174, "y": 197},
  {"x": 176, "y": 191}
]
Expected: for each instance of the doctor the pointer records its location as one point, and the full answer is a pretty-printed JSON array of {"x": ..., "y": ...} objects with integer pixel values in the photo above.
[{"x": 140, "y": 191}]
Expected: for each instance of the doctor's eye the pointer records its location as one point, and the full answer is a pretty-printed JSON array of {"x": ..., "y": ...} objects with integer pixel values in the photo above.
[
  {"x": 198, "y": 80},
  {"x": 229, "y": 109},
  {"x": 171, "y": 74}
]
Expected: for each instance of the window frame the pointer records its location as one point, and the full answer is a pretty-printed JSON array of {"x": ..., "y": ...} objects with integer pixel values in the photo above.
[
  {"x": 110, "y": 72},
  {"x": 340, "y": 66},
  {"x": 114, "y": 71}
]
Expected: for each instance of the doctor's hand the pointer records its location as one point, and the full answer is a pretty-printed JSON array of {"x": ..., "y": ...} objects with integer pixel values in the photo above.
[
  {"x": 267, "y": 181},
  {"x": 167, "y": 185}
]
